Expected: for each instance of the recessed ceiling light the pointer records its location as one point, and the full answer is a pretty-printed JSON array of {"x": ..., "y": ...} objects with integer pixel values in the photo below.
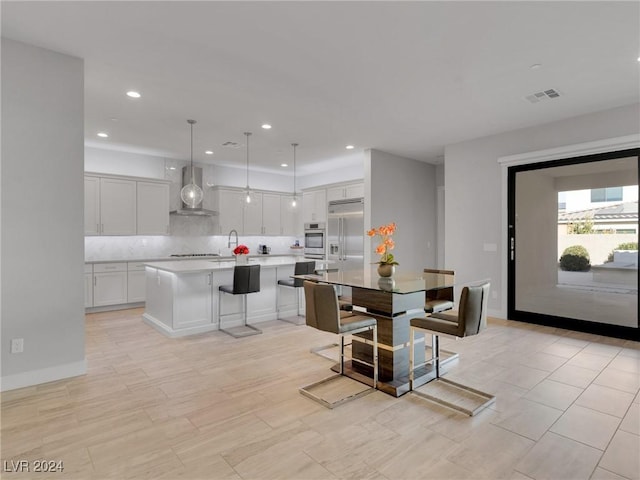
[
  {"x": 133, "y": 94},
  {"x": 284, "y": 164},
  {"x": 535, "y": 66},
  {"x": 209, "y": 152},
  {"x": 266, "y": 126},
  {"x": 349, "y": 147},
  {"x": 103, "y": 134},
  {"x": 639, "y": 59}
]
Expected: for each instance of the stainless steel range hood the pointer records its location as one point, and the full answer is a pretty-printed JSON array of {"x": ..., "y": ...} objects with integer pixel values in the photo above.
[{"x": 197, "y": 179}]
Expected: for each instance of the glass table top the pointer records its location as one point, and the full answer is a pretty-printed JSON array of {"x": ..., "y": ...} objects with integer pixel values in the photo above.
[{"x": 402, "y": 282}]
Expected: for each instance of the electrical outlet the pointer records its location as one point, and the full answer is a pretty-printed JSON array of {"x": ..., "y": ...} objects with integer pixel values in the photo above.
[{"x": 17, "y": 345}]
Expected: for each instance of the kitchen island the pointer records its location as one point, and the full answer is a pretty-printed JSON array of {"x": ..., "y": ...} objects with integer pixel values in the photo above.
[{"x": 182, "y": 295}]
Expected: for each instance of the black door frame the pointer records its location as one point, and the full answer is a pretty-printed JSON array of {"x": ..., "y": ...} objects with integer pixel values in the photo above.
[{"x": 552, "y": 320}]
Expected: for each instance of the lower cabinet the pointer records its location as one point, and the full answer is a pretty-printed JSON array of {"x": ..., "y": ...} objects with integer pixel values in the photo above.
[
  {"x": 88, "y": 285},
  {"x": 181, "y": 304},
  {"x": 193, "y": 300},
  {"x": 135, "y": 282},
  {"x": 109, "y": 284}
]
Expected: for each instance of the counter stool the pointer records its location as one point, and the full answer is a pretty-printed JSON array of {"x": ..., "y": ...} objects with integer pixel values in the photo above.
[
  {"x": 323, "y": 313},
  {"x": 471, "y": 319},
  {"x": 246, "y": 279},
  {"x": 300, "y": 268}
]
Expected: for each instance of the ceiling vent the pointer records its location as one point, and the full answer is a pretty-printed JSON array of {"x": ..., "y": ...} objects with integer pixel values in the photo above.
[
  {"x": 231, "y": 144},
  {"x": 540, "y": 96}
]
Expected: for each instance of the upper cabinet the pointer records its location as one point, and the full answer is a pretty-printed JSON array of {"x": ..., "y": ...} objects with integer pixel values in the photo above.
[
  {"x": 91, "y": 205},
  {"x": 271, "y": 215},
  {"x": 229, "y": 203},
  {"x": 117, "y": 207},
  {"x": 314, "y": 206},
  {"x": 152, "y": 208},
  {"x": 289, "y": 216},
  {"x": 268, "y": 213},
  {"x": 342, "y": 192},
  {"x": 125, "y": 206}
]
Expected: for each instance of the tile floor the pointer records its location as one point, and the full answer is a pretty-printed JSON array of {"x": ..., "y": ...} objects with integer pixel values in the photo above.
[{"x": 214, "y": 407}]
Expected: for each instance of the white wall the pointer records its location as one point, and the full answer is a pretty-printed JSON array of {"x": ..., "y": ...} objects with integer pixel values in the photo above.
[
  {"x": 42, "y": 215},
  {"x": 402, "y": 191},
  {"x": 473, "y": 190}
]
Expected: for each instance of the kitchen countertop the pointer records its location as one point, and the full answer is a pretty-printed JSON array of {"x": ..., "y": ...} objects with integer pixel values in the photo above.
[
  {"x": 221, "y": 263},
  {"x": 189, "y": 259}
]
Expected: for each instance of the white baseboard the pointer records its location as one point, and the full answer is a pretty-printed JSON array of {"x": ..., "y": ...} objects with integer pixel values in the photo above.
[{"x": 44, "y": 375}]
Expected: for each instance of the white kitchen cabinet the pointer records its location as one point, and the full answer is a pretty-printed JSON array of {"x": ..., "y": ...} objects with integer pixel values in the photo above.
[
  {"x": 343, "y": 192},
  {"x": 117, "y": 206},
  {"x": 252, "y": 219},
  {"x": 152, "y": 208},
  {"x": 271, "y": 221},
  {"x": 135, "y": 282},
  {"x": 289, "y": 216},
  {"x": 192, "y": 300},
  {"x": 230, "y": 206},
  {"x": 91, "y": 205},
  {"x": 314, "y": 206},
  {"x": 88, "y": 285},
  {"x": 109, "y": 284},
  {"x": 262, "y": 215}
]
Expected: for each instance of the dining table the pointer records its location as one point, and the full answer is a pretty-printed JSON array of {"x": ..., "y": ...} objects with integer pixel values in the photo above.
[{"x": 393, "y": 302}]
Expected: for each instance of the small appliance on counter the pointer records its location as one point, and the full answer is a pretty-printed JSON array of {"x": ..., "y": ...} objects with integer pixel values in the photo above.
[{"x": 263, "y": 249}]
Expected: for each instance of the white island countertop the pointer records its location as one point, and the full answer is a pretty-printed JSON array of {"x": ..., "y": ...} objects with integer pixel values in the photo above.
[{"x": 192, "y": 266}]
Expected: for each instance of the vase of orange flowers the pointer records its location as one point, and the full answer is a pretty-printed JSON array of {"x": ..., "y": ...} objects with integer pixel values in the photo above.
[{"x": 387, "y": 264}]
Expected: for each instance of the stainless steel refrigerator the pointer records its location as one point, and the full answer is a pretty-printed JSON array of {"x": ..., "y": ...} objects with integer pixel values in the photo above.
[{"x": 345, "y": 234}]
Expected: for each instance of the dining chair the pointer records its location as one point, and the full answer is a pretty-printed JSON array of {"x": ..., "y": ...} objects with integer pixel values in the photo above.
[
  {"x": 323, "y": 313},
  {"x": 441, "y": 299},
  {"x": 470, "y": 320}
]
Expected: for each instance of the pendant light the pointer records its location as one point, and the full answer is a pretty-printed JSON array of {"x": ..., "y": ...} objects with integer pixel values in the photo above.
[
  {"x": 294, "y": 202},
  {"x": 191, "y": 194},
  {"x": 248, "y": 197}
]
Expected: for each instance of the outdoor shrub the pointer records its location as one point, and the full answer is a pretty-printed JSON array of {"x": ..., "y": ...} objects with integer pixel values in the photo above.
[
  {"x": 623, "y": 246},
  {"x": 575, "y": 259}
]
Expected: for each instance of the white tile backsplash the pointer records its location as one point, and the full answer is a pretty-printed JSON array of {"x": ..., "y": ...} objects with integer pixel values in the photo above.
[{"x": 141, "y": 247}]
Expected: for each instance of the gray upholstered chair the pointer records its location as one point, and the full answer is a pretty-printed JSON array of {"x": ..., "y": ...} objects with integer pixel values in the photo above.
[
  {"x": 246, "y": 279},
  {"x": 441, "y": 299},
  {"x": 471, "y": 319},
  {"x": 300, "y": 268},
  {"x": 323, "y": 313}
]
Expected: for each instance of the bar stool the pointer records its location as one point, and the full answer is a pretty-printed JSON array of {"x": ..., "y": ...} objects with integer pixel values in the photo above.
[
  {"x": 300, "y": 268},
  {"x": 246, "y": 279}
]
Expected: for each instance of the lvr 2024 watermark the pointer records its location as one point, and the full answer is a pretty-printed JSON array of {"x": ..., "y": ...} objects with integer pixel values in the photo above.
[{"x": 35, "y": 466}]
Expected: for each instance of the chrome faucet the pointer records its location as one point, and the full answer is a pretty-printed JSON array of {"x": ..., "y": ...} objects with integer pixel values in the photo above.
[{"x": 229, "y": 242}]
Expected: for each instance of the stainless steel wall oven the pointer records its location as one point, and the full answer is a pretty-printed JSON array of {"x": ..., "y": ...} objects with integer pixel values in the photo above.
[{"x": 315, "y": 237}]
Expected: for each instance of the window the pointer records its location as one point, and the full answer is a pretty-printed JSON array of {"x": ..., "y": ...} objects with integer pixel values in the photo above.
[{"x": 611, "y": 194}]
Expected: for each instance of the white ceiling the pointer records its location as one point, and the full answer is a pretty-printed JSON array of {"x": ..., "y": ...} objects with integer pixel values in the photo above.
[{"x": 404, "y": 77}]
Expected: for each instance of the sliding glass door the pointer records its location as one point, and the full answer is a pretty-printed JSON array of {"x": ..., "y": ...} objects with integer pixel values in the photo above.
[{"x": 573, "y": 238}]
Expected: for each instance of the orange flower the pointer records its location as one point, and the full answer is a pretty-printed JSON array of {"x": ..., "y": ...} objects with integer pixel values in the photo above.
[{"x": 385, "y": 232}]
